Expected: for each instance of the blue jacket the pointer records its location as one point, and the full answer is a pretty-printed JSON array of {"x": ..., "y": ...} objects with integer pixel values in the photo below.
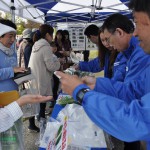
[
  {"x": 132, "y": 87},
  {"x": 90, "y": 66},
  {"x": 119, "y": 68},
  {"x": 94, "y": 66},
  {"x": 127, "y": 122},
  {"x": 128, "y": 118},
  {"x": 120, "y": 64},
  {"x": 6, "y": 72}
]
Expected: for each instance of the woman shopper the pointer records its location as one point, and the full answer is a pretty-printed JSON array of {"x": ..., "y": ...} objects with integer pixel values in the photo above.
[{"x": 42, "y": 63}]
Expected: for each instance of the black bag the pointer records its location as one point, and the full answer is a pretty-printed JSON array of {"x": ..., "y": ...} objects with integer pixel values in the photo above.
[{"x": 22, "y": 74}]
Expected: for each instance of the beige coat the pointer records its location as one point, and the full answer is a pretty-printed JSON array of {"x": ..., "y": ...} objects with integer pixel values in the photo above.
[
  {"x": 20, "y": 52},
  {"x": 43, "y": 65}
]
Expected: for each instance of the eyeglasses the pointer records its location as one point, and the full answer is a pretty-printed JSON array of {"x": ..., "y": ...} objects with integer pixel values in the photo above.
[{"x": 108, "y": 39}]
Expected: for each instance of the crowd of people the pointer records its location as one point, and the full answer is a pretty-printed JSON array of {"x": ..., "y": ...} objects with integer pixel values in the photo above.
[
  {"x": 118, "y": 103},
  {"x": 33, "y": 51},
  {"x": 8, "y": 67}
]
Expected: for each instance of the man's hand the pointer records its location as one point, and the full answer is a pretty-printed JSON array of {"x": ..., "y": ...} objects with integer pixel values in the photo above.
[
  {"x": 33, "y": 99},
  {"x": 68, "y": 82},
  {"x": 89, "y": 81}
]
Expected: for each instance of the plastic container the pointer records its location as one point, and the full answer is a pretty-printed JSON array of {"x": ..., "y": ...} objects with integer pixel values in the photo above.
[{"x": 12, "y": 139}]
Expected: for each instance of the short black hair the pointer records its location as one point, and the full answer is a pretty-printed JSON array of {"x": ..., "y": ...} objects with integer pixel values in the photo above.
[
  {"x": 140, "y": 5},
  {"x": 91, "y": 30},
  {"x": 8, "y": 23},
  {"x": 118, "y": 21}
]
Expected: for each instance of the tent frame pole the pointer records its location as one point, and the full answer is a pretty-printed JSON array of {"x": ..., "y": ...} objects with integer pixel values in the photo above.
[{"x": 12, "y": 11}]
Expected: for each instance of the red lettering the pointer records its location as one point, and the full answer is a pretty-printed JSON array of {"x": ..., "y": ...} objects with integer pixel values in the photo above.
[{"x": 64, "y": 136}]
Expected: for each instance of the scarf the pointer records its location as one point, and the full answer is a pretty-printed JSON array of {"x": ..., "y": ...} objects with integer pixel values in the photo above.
[{"x": 6, "y": 50}]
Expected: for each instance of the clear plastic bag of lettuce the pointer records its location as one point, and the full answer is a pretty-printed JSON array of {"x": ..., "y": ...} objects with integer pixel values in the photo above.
[
  {"x": 64, "y": 99},
  {"x": 72, "y": 130},
  {"x": 79, "y": 73}
]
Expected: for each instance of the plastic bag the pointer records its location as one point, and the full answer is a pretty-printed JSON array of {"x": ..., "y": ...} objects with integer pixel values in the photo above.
[
  {"x": 48, "y": 140},
  {"x": 29, "y": 110},
  {"x": 64, "y": 99},
  {"x": 42, "y": 126},
  {"x": 12, "y": 139},
  {"x": 72, "y": 130},
  {"x": 75, "y": 58},
  {"x": 79, "y": 73}
]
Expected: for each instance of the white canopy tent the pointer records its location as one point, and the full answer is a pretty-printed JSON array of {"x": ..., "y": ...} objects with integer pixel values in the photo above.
[
  {"x": 27, "y": 13},
  {"x": 54, "y": 11}
]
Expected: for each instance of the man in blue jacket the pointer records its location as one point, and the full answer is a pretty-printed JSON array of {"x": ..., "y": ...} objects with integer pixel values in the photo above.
[
  {"x": 129, "y": 60},
  {"x": 128, "y": 122},
  {"x": 91, "y": 32}
]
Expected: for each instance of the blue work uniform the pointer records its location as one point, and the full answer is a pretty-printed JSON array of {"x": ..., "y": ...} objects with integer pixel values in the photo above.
[
  {"x": 128, "y": 118},
  {"x": 119, "y": 68},
  {"x": 133, "y": 85}
]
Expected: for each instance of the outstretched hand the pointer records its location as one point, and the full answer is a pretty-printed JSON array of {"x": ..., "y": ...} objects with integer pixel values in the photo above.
[
  {"x": 33, "y": 99},
  {"x": 68, "y": 82}
]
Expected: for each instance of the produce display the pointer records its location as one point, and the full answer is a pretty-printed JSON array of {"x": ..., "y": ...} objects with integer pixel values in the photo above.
[{"x": 79, "y": 73}]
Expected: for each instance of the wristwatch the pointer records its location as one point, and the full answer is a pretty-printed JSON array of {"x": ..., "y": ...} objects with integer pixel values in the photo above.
[{"x": 81, "y": 94}]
